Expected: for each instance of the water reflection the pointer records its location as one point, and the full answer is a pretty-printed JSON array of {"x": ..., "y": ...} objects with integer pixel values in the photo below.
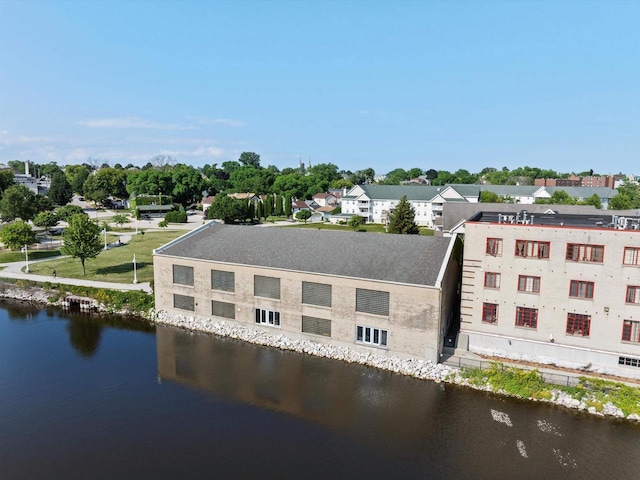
[
  {"x": 84, "y": 337},
  {"x": 447, "y": 431}
]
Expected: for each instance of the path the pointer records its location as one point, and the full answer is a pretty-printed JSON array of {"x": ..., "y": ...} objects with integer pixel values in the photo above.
[{"x": 16, "y": 270}]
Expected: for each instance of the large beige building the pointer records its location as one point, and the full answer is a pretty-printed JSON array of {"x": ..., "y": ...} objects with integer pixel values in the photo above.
[
  {"x": 550, "y": 288},
  {"x": 371, "y": 292}
]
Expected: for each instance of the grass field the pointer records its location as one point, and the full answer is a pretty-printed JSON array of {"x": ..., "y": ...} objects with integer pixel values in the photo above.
[{"x": 115, "y": 264}]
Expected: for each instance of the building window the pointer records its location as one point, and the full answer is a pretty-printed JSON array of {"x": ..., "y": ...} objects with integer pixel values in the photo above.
[
  {"x": 316, "y": 326},
  {"x": 183, "y": 275},
  {"x": 223, "y": 309},
  {"x": 371, "y": 336},
  {"x": 372, "y": 301},
  {"x": 631, "y": 256},
  {"x": 268, "y": 287},
  {"x": 528, "y": 284},
  {"x": 492, "y": 280},
  {"x": 631, "y": 331},
  {"x": 579, "y": 289},
  {"x": 183, "y": 302},
  {"x": 629, "y": 361},
  {"x": 221, "y": 280},
  {"x": 527, "y": 317},
  {"x": 578, "y": 324},
  {"x": 577, "y": 252},
  {"x": 490, "y": 313},
  {"x": 316, "y": 294},
  {"x": 267, "y": 317},
  {"x": 532, "y": 249},
  {"x": 633, "y": 294},
  {"x": 494, "y": 247}
]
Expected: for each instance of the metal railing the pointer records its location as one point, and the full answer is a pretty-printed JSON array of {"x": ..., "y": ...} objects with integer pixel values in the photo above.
[{"x": 551, "y": 378}]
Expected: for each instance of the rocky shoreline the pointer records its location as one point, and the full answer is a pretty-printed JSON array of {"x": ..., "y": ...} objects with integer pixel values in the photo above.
[{"x": 424, "y": 370}]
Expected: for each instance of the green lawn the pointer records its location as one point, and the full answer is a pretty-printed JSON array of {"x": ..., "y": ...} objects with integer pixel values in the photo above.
[
  {"x": 7, "y": 256},
  {"x": 115, "y": 264}
]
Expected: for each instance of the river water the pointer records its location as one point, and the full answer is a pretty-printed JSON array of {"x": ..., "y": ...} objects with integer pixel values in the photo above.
[{"x": 87, "y": 397}]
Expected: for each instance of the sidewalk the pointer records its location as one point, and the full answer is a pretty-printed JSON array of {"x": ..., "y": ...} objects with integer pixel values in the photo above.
[{"x": 15, "y": 270}]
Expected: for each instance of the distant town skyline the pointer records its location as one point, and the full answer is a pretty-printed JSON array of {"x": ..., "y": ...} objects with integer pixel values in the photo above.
[{"x": 382, "y": 85}]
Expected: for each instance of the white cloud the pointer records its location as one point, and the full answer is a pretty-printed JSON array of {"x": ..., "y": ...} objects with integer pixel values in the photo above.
[
  {"x": 220, "y": 121},
  {"x": 133, "y": 122}
]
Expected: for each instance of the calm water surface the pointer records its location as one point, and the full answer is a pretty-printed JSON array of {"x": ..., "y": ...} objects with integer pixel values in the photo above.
[{"x": 99, "y": 398}]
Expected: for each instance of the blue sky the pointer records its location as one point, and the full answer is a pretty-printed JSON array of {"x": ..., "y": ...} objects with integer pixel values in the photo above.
[{"x": 444, "y": 85}]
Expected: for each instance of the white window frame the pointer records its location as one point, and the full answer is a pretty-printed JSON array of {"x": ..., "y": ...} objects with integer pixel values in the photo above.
[{"x": 378, "y": 337}]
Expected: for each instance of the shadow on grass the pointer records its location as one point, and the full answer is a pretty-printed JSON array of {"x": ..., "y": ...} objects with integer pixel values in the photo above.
[{"x": 122, "y": 268}]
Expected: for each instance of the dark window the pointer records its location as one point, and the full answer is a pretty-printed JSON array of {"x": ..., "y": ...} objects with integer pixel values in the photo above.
[
  {"x": 578, "y": 324},
  {"x": 267, "y": 317},
  {"x": 490, "y": 313},
  {"x": 183, "y": 275},
  {"x": 633, "y": 294},
  {"x": 372, "y": 301},
  {"x": 316, "y": 326},
  {"x": 223, "y": 309},
  {"x": 494, "y": 247},
  {"x": 527, "y": 317},
  {"x": 268, "y": 287},
  {"x": 577, "y": 252},
  {"x": 221, "y": 280},
  {"x": 532, "y": 249},
  {"x": 183, "y": 302},
  {"x": 316, "y": 294},
  {"x": 492, "y": 280},
  {"x": 629, "y": 361},
  {"x": 580, "y": 289},
  {"x": 371, "y": 336}
]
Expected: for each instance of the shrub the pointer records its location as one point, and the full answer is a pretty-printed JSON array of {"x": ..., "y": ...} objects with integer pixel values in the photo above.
[{"x": 176, "y": 217}]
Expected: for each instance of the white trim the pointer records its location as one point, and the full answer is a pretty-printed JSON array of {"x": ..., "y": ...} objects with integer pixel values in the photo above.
[{"x": 445, "y": 261}]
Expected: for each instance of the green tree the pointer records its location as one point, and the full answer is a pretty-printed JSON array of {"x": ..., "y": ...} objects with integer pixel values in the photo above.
[
  {"x": 6, "y": 180},
  {"x": 149, "y": 181},
  {"x": 60, "y": 191},
  {"x": 288, "y": 206},
  {"x": 250, "y": 159},
  {"x": 65, "y": 213},
  {"x": 46, "y": 220},
  {"x": 120, "y": 219},
  {"x": 303, "y": 215},
  {"x": 76, "y": 176},
  {"x": 490, "y": 197},
  {"x": 227, "y": 209},
  {"x": 81, "y": 239},
  {"x": 278, "y": 206},
  {"x": 17, "y": 234},
  {"x": 403, "y": 219},
  {"x": 105, "y": 183},
  {"x": 621, "y": 201},
  {"x": 187, "y": 184},
  {"x": 355, "y": 221},
  {"x": 594, "y": 200},
  {"x": 18, "y": 202}
]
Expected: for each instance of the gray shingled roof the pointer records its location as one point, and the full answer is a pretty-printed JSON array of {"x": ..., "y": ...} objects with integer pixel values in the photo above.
[
  {"x": 411, "y": 259},
  {"x": 395, "y": 192}
]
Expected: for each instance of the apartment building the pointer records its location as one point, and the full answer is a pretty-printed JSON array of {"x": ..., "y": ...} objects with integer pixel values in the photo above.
[
  {"x": 370, "y": 292},
  {"x": 552, "y": 288}
]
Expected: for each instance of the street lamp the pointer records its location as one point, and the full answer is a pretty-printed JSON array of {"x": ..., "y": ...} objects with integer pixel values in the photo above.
[
  {"x": 104, "y": 230},
  {"x": 26, "y": 257},
  {"x": 135, "y": 272}
]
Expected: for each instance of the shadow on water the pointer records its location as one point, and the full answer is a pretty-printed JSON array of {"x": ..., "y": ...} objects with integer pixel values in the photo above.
[{"x": 84, "y": 336}]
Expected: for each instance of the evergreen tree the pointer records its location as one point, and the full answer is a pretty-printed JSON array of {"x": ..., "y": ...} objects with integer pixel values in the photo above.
[
  {"x": 278, "y": 205},
  {"x": 259, "y": 210},
  {"x": 268, "y": 206},
  {"x": 251, "y": 211},
  {"x": 60, "y": 191},
  {"x": 288, "y": 206},
  {"x": 403, "y": 219}
]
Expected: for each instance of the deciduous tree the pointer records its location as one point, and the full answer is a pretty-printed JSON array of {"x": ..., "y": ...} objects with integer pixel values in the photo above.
[
  {"x": 17, "y": 234},
  {"x": 60, "y": 191},
  {"x": 18, "y": 202},
  {"x": 81, "y": 239},
  {"x": 227, "y": 209},
  {"x": 303, "y": 215}
]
